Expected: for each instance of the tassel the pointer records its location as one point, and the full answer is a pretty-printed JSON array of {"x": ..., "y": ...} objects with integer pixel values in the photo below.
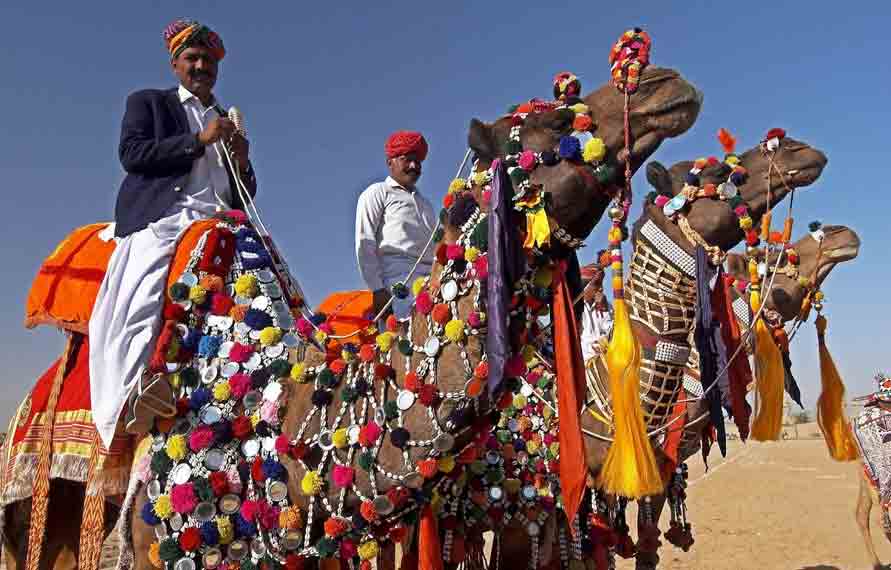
[
  {"x": 630, "y": 468},
  {"x": 830, "y": 406},
  {"x": 92, "y": 528},
  {"x": 769, "y": 373},
  {"x": 765, "y": 226},
  {"x": 429, "y": 550},
  {"x": 787, "y": 230}
]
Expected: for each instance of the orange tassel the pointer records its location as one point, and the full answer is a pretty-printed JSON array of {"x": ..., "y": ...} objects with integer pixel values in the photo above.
[
  {"x": 728, "y": 141},
  {"x": 429, "y": 550},
  {"x": 830, "y": 406},
  {"x": 769, "y": 374},
  {"x": 787, "y": 230},
  {"x": 765, "y": 226}
]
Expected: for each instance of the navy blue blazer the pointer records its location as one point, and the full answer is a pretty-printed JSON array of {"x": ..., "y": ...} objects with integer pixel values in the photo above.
[{"x": 157, "y": 149}]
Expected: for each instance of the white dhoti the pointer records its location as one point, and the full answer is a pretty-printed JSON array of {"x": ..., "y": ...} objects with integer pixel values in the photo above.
[
  {"x": 595, "y": 325},
  {"x": 127, "y": 316}
]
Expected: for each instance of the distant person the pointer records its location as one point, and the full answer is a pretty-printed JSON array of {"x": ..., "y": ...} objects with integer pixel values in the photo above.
[
  {"x": 176, "y": 173},
  {"x": 596, "y": 317},
  {"x": 394, "y": 222}
]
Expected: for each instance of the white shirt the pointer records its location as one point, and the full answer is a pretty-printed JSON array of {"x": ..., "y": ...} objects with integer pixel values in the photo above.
[
  {"x": 595, "y": 325},
  {"x": 207, "y": 190},
  {"x": 393, "y": 224}
]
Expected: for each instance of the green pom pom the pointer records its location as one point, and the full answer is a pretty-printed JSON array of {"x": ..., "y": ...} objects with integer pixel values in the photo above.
[
  {"x": 518, "y": 175},
  {"x": 438, "y": 235},
  {"x": 279, "y": 368},
  {"x": 404, "y": 346},
  {"x": 544, "y": 383},
  {"x": 366, "y": 460},
  {"x": 815, "y": 225},
  {"x": 604, "y": 173},
  {"x": 248, "y": 565},
  {"x": 326, "y": 548},
  {"x": 327, "y": 378},
  {"x": 170, "y": 550},
  {"x": 650, "y": 198},
  {"x": 391, "y": 410},
  {"x": 495, "y": 476},
  {"x": 503, "y": 436},
  {"x": 161, "y": 463},
  {"x": 189, "y": 377},
  {"x": 203, "y": 490},
  {"x": 512, "y": 147},
  {"x": 349, "y": 395},
  {"x": 179, "y": 292},
  {"x": 479, "y": 237},
  {"x": 734, "y": 202}
]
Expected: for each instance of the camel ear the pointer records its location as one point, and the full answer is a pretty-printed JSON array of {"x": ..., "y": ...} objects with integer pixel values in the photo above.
[
  {"x": 481, "y": 141},
  {"x": 658, "y": 176},
  {"x": 737, "y": 266}
]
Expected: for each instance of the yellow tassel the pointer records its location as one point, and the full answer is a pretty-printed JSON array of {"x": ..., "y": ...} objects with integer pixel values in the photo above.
[
  {"x": 630, "y": 468},
  {"x": 787, "y": 230},
  {"x": 770, "y": 378},
  {"x": 765, "y": 226},
  {"x": 830, "y": 406}
]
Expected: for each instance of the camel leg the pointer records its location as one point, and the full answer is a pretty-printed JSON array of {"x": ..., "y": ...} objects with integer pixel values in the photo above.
[
  {"x": 648, "y": 558},
  {"x": 515, "y": 549},
  {"x": 60, "y": 547},
  {"x": 142, "y": 535},
  {"x": 864, "y": 507}
]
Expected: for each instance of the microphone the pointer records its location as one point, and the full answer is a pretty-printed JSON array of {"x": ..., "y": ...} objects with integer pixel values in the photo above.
[{"x": 238, "y": 120}]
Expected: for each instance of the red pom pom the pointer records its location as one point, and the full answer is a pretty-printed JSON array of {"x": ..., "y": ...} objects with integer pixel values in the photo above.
[
  {"x": 441, "y": 313},
  {"x": 482, "y": 370},
  {"x": 428, "y": 395},
  {"x": 392, "y": 323},
  {"x": 190, "y": 539},
  {"x": 582, "y": 123},
  {"x": 368, "y": 511},
  {"x": 295, "y": 562},
  {"x": 448, "y": 201},
  {"x": 219, "y": 483},
  {"x": 297, "y": 451},
  {"x": 366, "y": 353},
  {"x": 368, "y": 434},
  {"x": 398, "y": 534},
  {"x": 221, "y": 304},
  {"x": 182, "y": 406},
  {"x": 428, "y": 468},
  {"x": 441, "y": 254},
  {"x": 775, "y": 134},
  {"x": 335, "y": 527},
  {"x": 383, "y": 371},
  {"x": 398, "y": 496},
  {"x": 454, "y": 252},
  {"x": 174, "y": 312},
  {"x": 412, "y": 382},
  {"x": 712, "y": 161},
  {"x": 752, "y": 238},
  {"x": 242, "y": 428},
  {"x": 257, "y": 470},
  {"x": 337, "y": 366}
]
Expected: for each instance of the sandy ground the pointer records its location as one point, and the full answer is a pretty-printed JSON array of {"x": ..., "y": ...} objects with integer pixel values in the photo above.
[{"x": 771, "y": 506}]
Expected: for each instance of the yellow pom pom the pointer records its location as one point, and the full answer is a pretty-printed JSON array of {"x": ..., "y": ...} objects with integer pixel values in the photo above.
[
  {"x": 547, "y": 413},
  {"x": 175, "y": 380},
  {"x": 384, "y": 341},
  {"x": 818, "y": 296},
  {"x": 368, "y": 550},
  {"x": 614, "y": 235},
  {"x": 457, "y": 185},
  {"x": 298, "y": 372},
  {"x": 246, "y": 286},
  {"x": 480, "y": 177},
  {"x": 519, "y": 401},
  {"x": 543, "y": 277},
  {"x": 418, "y": 286},
  {"x": 224, "y": 527},
  {"x": 532, "y": 446},
  {"x": 321, "y": 337},
  {"x": 311, "y": 483},
  {"x": 594, "y": 151},
  {"x": 447, "y": 464},
  {"x": 745, "y": 223},
  {"x": 579, "y": 108},
  {"x": 290, "y": 518},
  {"x": 163, "y": 507},
  {"x": 471, "y": 254},
  {"x": 554, "y": 448},
  {"x": 340, "y": 438},
  {"x": 222, "y": 391},
  {"x": 176, "y": 447},
  {"x": 255, "y": 418},
  {"x": 270, "y": 336},
  {"x": 154, "y": 555},
  {"x": 198, "y": 294},
  {"x": 454, "y": 330}
]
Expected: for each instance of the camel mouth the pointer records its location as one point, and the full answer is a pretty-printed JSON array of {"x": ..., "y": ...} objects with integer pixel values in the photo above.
[{"x": 690, "y": 97}]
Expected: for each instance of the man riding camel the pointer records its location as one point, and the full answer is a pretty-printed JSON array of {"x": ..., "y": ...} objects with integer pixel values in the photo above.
[
  {"x": 173, "y": 147},
  {"x": 393, "y": 224}
]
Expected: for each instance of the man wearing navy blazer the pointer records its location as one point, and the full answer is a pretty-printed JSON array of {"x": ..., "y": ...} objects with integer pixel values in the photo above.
[{"x": 173, "y": 147}]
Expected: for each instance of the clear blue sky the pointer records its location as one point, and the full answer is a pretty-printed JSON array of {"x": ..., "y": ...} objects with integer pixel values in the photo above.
[{"x": 322, "y": 84}]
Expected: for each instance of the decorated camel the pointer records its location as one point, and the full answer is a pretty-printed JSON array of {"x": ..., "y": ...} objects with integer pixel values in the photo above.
[
  {"x": 339, "y": 462},
  {"x": 800, "y": 274}
]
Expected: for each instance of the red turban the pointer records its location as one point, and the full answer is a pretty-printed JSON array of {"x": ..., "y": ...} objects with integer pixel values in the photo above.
[
  {"x": 406, "y": 142},
  {"x": 183, "y": 34}
]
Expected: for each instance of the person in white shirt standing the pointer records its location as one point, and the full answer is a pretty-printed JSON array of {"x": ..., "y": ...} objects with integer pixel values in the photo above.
[
  {"x": 176, "y": 174},
  {"x": 394, "y": 222},
  {"x": 596, "y": 317}
]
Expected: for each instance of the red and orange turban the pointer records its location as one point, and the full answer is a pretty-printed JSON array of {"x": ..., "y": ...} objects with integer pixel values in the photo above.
[
  {"x": 183, "y": 34},
  {"x": 406, "y": 142}
]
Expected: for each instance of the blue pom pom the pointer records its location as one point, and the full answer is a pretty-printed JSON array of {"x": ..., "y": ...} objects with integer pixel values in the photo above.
[
  {"x": 209, "y": 345},
  {"x": 222, "y": 431},
  {"x": 244, "y": 471},
  {"x": 149, "y": 516},
  {"x": 692, "y": 179},
  {"x": 520, "y": 445},
  {"x": 210, "y": 535},
  {"x": 570, "y": 148},
  {"x": 549, "y": 158},
  {"x": 198, "y": 398},
  {"x": 257, "y": 319},
  {"x": 192, "y": 339},
  {"x": 272, "y": 469},
  {"x": 260, "y": 261},
  {"x": 400, "y": 291},
  {"x": 243, "y": 528},
  {"x": 738, "y": 178},
  {"x": 317, "y": 319}
]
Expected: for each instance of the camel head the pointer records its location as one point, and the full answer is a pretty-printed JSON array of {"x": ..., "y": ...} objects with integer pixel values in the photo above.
[
  {"x": 791, "y": 165},
  {"x": 792, "y": 284},
  {"x": 665, "y": 106}
]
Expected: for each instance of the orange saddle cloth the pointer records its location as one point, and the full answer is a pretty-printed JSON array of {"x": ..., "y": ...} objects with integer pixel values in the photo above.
[{"x": 348, "y": 311}]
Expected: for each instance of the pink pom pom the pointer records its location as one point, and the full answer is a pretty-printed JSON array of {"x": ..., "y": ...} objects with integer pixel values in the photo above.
[
  {"x": 240, "y": 352},
  {"x": 269, "y": 412},
  {"x": 741, "y": 210},
  {"x": 661, "y": 200},
  {"x": 533, "y": 377},
  {"x": 455, "y": 252},
  {"x": 267, "y": 515},
  {"x": 474, "y": 320},
  {"x": 282, "y": 444},
  {"x": 515, "y": 366},
  {"x": 527, "y": 160},
  {"x": 236, "y": 215},
  {"x": 326, "y": 328},
  {"x": 348, "y": 550},
  {"x": 183, "y": 498},
  {"x": 423, "y": 303},
  {"x": 343, "y": 475},
  {"x": 200, "y": 438},
  {"x": 240, "y": 384},
  {"x": 249, "y": 510},
  {"x": 549, "y": 439},
  {"x": 487, "y": 197},
  {"x": 481, "y": 266},
  {"x": 234, "y": 480},
  {"x": 304, "y": 327}
]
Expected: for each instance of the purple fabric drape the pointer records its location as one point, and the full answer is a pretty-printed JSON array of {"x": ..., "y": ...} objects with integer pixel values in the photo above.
[
  {"x": 705, "y": 336},
  {"x": 506, "y": 263}
]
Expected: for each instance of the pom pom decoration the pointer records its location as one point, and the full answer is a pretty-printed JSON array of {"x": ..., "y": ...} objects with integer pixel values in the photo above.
[
  {"x": 176, "y": 447},
  {"x": 246, "y": 286},
  {"x": 570, "y": 148},
  {"x": 270, "y": 335},
  {"x": 311, "y": 484},
  {"x": 628, "y": 58},
  {"x": 457, "y": 185},
  {"x": 728, "y": 141},
  {"x": 454, "y": 330},
  {"x": 595, "y": 150}
]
